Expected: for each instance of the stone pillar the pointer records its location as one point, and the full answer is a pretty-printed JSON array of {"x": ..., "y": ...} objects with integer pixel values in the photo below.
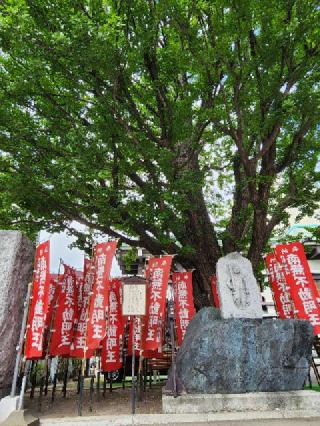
[{"x": 16, "y": 266}]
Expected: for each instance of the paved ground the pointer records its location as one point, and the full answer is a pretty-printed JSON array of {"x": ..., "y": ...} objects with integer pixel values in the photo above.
[
  {"x": 283, "y": 422},
  {"x": 297, "y": 418}
]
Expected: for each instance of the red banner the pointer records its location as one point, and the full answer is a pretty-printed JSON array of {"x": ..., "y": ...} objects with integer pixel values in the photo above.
[
  {"x": 158, "y": 272},
  {"x": 53, "y": 294},
  {"x": 80, "y": 295},
  {"x": 112, "y": 345},
  {"x": 183, "y": 302},
  {"x": 280, "y": 289},
  {"x": 214, "y": 290},
  {"x": 63, "y": 325},
  {"x": 99, "y": 301},
  {"x": 39, "y": 302},
  {"x": 79, "y": 340},
  {"x": 138, "y": 324},
  {"x": 303, "y": 289}
]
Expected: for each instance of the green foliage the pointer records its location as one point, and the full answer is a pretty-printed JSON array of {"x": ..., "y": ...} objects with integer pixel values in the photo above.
[
  {"x": 130, "y": 257},
  {"x": 170, "y": 124}
]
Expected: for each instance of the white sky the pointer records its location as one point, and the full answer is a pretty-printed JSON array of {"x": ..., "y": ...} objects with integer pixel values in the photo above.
[{"x": 59, "y": 247}]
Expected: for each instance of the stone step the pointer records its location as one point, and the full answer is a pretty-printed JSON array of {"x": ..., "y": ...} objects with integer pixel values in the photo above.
[{"x": 283, "y": 418}]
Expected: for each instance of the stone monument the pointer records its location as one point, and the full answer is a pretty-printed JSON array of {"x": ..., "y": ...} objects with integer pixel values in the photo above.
[
  {"x": 16, "y": 266},
  {"x": 230, "y": 353},
  {"x": 238, "y": 291}
]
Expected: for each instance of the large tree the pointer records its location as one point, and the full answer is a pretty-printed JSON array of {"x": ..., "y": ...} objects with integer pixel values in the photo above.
[{"x": 183, "y": 126}]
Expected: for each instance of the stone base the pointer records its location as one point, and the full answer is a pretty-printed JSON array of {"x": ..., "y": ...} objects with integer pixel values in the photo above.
[
  {"x": 7, "y": 406},
  {"x": 241, "y": 402},
  {"x": 243, "y": 355},
  {"x": 21, "y": 418}
]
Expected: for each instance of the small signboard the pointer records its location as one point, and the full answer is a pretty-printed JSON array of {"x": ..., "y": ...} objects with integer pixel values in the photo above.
[{"x": 134, "y": 299}]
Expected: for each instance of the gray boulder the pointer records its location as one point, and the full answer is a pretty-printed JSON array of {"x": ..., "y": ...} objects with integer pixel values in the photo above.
[
  {"x": 16, "y": 266},
  {"x": 243, "y": 355}
]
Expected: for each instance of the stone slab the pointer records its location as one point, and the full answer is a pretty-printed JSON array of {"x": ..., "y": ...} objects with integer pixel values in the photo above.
[
  {"x": 21, "y": 418},
  {"x": 257, "y": 401},
  {"x": 274, "y": 418},
  {"x": 16, "y": 266},
  {"x": 238, "y": 291},
  {"x": 7, "y": 406},
  {"x": 243, "y": 355}
]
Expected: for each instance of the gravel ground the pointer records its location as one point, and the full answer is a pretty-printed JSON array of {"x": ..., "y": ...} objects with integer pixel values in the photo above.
[{"x": 117, "y": 402}]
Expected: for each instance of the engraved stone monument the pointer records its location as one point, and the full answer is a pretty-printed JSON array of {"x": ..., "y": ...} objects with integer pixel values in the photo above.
[
  {"x": 234, "y": 360},
  {"x": 16, "y": 265},
  {"x": 238, "y": 290}
]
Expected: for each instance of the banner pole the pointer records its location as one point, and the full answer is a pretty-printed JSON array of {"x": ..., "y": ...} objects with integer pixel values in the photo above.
[
  {"x": 104, "y": 384},
  {"x": 91, "y": 392},
  {"x": 23, "y": 385},
  {"x": 21, "y": 340},
  {"x": 54, "y": 386},
  {"x": 65, "y": 378},
  {"x": 111, "y": 381},
  {"x": 173, "y": 349},
  {"x": 124, "y": 353},
  {"x": 42, "y": 382},
  {"x": 98, "y": 375},
  {"x": 47, "y": 377},
  {"x": 83, "y": 362},
  {"x": 140, "y": 378},
  {"x": 92, "y": 271},
  {"x": 133, "y": 389},
  {"x": 33, "y": 377}
]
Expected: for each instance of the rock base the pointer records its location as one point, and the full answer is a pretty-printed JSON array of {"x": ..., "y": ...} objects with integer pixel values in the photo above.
[
  {"x": 256, "y": 401},
  {"x": 243, "y": 355}
]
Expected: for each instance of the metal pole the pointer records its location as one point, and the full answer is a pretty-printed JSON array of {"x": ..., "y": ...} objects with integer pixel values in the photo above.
[
  {"x": 42, "y": 382},
  {"x": 145, "y": 378},
  {"x": 23, "y": 385},
  {"x": 65, "y": 378},
  {"x": 91, "y": 392},
  {"x": 78, "y": 383},
  {"x": 133, "y": 388},
  {"x": 104, "y": 384},
  {"x": 33, "y": 377},
  {"x": 83, "y": 365},
  {"x": 98, "y": 380},
  {"x": 140, "y": 379},
  {"x": 54, "y": 386},
  {"x": 47, "y": 378},
  {"x": 21, "y": 338},
  {"x": 111, "y": 380},
  {"x": 173, "y": 357},
  {"x": 80, "y": 395},
  {"x": 124, "y": 370}
]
